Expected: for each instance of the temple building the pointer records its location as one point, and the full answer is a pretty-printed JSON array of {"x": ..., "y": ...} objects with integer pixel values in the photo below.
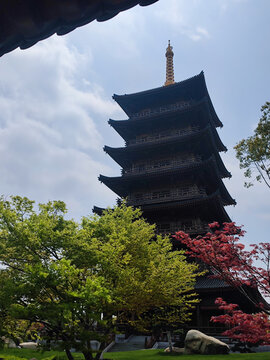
[{"x": 172, "y": 169}]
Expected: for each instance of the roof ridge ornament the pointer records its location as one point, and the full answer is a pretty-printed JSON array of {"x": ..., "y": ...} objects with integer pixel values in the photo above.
[{"x": 169, "y": 65}]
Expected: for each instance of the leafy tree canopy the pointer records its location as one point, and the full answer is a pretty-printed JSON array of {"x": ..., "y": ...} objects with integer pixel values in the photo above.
[
  {"x": 254, "y": 152},
  {"x": 71, "y": 278}
]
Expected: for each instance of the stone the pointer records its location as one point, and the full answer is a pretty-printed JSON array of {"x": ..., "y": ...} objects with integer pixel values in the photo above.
[
  {"x": 175, "y": 350},
  {"x": 28, "y": 345},
  {"x": 9, "y": 342},
  {"x": 197, "y": 342}
]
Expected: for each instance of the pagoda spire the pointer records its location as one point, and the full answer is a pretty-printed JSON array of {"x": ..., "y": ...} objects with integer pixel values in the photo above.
[{"x": 169, "y": 66}]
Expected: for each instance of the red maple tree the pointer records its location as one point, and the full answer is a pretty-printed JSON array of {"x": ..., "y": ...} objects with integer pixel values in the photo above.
[
  {"x": 252, "y": 329},
  {"x": 229, "y": 261}
]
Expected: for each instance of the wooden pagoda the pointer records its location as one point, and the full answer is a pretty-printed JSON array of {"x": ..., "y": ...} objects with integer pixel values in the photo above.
[
  {"x": 171, "y": 167},
  {"x": 172, "y": 170}
]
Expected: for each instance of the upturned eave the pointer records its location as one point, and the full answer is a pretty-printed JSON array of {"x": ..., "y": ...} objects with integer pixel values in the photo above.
[
  {"x": 192, "y": 89},
  {"x": 122, "y": 185},
  {"x": 125, "y": 155}
]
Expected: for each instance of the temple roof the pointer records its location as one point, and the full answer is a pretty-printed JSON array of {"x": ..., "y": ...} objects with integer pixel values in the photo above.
[
  {"x": 190, "y": 90},
  {"x": 212, "y": 202},
  {"x": 210, "y": 206},
  {"x": 98, "y": 210},
  {"x": 184, "y": 137},
  {"x": 24, "y": 23},
  {"x": 204, "y": 139},
  {"x": 123, "y": 185},
  {"x": 199, "y": 112},
  {"x": 206, "y": 282}
]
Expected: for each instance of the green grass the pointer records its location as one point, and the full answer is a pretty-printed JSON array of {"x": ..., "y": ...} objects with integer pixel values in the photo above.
[
  {"x": 160, "y": 355},
  {"x": 16, "y": 354}
]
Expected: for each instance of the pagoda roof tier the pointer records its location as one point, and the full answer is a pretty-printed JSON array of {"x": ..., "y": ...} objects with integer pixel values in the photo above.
[
  {"x": 209, "y": 208},
  {"x": 183, "y": 137},
  {"x": 197, "y": 113},
  {"x": 207, "y": 170},
  {"x": 198, "y": 193},
  {"x": 98, "y": 210},
  {"x": 226, "y": 197},
  {"x": 189, "y": 90},
  {"x": 205, "y": 138},
  {"x": 202, "y": 140}
]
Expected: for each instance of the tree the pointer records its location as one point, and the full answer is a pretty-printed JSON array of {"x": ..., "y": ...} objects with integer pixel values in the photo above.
[
  {"x": 73, "y": 277},
  {"x": 254, "y": 152},
  {"x": 221, "y": 250},
  {"x": 228, "y": 260},
  {"x": 249, "y": 329}
]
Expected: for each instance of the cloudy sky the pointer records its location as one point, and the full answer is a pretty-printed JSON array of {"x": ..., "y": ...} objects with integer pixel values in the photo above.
[{"x": 56, "y": 98}]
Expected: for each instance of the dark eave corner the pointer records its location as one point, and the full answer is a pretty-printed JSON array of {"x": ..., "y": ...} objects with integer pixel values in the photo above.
[
  {"x": 24, "y": 23},
  {"x": 98, "y": 210}
]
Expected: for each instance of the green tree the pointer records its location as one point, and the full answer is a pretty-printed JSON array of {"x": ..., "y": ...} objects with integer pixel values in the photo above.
[
  {"x": 73, "y": 277},
  {"x": 153, "y": 285},
  {"x": 254, "y": 152}
]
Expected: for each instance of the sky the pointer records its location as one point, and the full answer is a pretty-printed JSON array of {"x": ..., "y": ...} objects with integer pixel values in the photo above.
[{"x": 56, "y": 97}]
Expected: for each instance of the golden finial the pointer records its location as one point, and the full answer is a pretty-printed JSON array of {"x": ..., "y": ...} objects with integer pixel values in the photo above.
[{"x": 169, "y": 65}]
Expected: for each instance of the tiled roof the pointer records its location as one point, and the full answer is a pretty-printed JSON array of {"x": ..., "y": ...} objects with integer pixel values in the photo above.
[
  {"x": 205, "y": 282},
  {"x": 24, "y": 23}
]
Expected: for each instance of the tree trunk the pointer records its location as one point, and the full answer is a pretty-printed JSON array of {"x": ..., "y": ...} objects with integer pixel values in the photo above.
[
  {"x": 100, "y": 350},
  {"x": 88, "y": 355},
  {"x": 169, "y": 340},
  {"x": 69, "y": 355},
  {"x": 98, "y": 355}
]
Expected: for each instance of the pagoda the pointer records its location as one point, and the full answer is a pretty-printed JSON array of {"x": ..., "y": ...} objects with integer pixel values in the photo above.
[
  {"x": 171, "y": 167},
  {"x": 172, "y": 170}
]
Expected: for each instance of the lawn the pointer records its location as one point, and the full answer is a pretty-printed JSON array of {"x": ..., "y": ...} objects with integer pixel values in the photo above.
[
  {"x": 160, "y": 355},
  {"x": 16, "y": 354}
]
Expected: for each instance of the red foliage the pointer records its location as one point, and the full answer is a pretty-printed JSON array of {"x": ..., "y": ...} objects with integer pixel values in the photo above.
[
  {"x": 228, "y": 259},
  {"x": 247, "y": 328}
]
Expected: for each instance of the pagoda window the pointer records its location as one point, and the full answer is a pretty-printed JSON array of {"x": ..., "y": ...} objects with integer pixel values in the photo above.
[
  {"x": 142, "y": 138},
  {"x": 138, "y": 196},
  {"x": 139, "y": 167},
  {"x": 188, "y": 190},
  {"x": 161, "y": 194},
  {"x": 164, "y": 163},
  {"x": 186, "y": 225},
  {"x": 163, "y": 228},
  {"x": 162, "y": 109},
  {"x": 189, "y": 225},
  {"x": 183, "y": 191},
  {"x": 155, "y": 136}
]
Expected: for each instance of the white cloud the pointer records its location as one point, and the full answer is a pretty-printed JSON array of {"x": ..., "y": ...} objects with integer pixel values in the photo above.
[
  {"x": 225, "y": 4},
  {"x": 48, "y": 138},
  {"x": 202, "y": 31},
  {"x": 179, "y": 14}
]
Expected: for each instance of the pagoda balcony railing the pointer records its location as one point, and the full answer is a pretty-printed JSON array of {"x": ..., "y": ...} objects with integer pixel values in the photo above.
[
  {"x": 162, "y": 165},
  {"x": 165, "y": 196},
  {"x": 173, "y": 227},
  {"x": 162, "y": 109},
  {"x": 160, "y": 137}
]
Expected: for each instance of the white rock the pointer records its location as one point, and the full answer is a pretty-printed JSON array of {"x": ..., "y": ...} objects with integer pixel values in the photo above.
[
  {"x": 197, "y": 342},
  {"x": 175, "y": 350},
  {"x": 28, "y": 345}
]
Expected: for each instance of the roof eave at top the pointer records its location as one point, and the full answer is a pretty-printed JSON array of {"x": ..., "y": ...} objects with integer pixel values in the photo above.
[
  {"x": 193, "y": 88},
  {"x": 128, "y": 100}
]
